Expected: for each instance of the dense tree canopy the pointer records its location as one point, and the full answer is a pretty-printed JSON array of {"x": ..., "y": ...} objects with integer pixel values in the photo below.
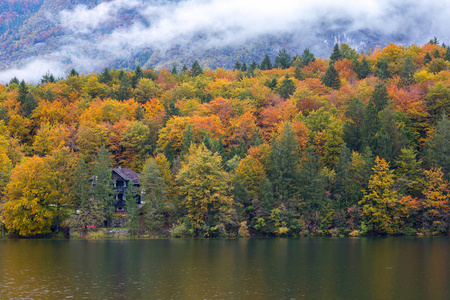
[{"x": 357, "y": 144}]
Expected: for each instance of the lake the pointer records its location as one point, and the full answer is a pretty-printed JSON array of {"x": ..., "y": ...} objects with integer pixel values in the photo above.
[{"x": 306, "y": 268}]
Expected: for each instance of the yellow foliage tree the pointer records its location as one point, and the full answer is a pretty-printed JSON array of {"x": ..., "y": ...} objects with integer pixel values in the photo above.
[
  {"x": 204, "y": 188},
  {"x": 380, "y": 202},
  {"x": 30, "y": 193}
]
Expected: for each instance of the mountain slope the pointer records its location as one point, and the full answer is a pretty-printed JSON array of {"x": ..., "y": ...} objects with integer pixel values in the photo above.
[{"x": 56, "y": 35}]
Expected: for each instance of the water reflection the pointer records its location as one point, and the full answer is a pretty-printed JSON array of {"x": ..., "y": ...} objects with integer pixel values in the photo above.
[{"x": 389, "y": 268}]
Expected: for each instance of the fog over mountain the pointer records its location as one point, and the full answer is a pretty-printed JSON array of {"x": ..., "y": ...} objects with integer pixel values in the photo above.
[{"x": 123, "y": 33}]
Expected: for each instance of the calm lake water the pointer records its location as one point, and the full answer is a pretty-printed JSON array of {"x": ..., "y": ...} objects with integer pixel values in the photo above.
[{"x": 365, "y": 268}]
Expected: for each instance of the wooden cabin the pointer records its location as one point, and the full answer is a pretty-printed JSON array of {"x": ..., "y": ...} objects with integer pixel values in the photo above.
[{"x": 123, "y": 180}]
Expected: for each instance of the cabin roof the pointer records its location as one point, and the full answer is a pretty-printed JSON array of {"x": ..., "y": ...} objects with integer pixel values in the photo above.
[{"x": 127, "y": 174}]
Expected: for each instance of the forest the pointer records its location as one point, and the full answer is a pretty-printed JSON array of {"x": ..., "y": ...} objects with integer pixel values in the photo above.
[{"x": 295, "y": 145}]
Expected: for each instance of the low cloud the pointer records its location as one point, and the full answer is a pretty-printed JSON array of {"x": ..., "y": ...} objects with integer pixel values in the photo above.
[
  {"x": 91, "y": 42},
  {"x": 33, "y": 71}
]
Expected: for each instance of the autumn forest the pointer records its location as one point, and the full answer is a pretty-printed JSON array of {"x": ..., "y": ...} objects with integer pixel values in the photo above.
[{"x": 293, "y": 145}]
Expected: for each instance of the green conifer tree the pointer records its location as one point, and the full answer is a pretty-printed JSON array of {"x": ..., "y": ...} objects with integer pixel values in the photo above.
[
  {"x": 138, "y": 74},
  {"x": 336, "y": 54},
  {"x": 103, "y": 192},
  {"x": 131, "y": 202},
  {"x": 196, "y": 69},
  {"x": 331, "y": 78},
  {"x": 266, "y": 63},
  {"x": 286, "y": 88},
  {"x": 427, "y": 58},
  {"x": 188, "y": 138},
  {"x": 408, "y": 70},
  {"x": 311, "y": 183},
  {"x": 307, "y": 57},
  {"x": 237, "y": 65},
  {"x": 341, "y": 185},
  {"x": 244, "y": 67},
  {"x": 353, "y": 134},
  {"x": 273, "y": 83},
  {"x": 105, "y": 76},
  {"x": 283, "y": 59},
  {"x": 447, "y": 54},
  {"x": 284, "y": 158},
  {"x": 73, "y": 72},
  {"x": 89, "y": 210},
  {"x": 437, "y": 148},
  {"x": 382, "y": 69}
]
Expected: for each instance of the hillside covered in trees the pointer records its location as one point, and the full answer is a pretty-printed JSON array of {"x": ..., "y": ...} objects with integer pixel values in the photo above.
[{"x": 296, "y": 146}]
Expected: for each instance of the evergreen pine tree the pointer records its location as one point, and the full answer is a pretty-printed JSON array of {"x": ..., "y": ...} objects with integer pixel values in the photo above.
[
  {"x": 336, "y": 54},
  {"x": 380, "y": 96},
  {"x": 408, "y": 70},
  {"x": 434, "y": 41},
  {"x": 307, "y": 57},
  {"x": 219, "y": 148},
  {"x": 174, "y": 70},
  {"x": 172, "y": 110},
  {"x": 105, "y": 76},
  {"x": 154, "y": 196},
  {"x": 286, "y": 88},
  {"x": 196, "y": 69},
  {"x": 89, "y": 210},
  {"x": 103, "y": 192},
  {"x": 447, "y": 54},
  {"x": 124, "y": 91},
  {"x": 273, "y": 83},
  {"x": 14, "y": 80},
  {"x": 139, "y": 114},
  {"x": 409, "y": 172},
  {"x": 237, "y": 65},
  {"x": 266, "y": 63},
  {"x": 267, "y": 199},
  {"x": 73, "y": 72},
  {"x": 427, "y": 58},
  {"x": 207, "y": 142},
  {"x": 298, "y": 73},
  {"x": 27, "y": 100},
  {"x": 240, "y": 196},
  {"x": 436, "y": 54},
  {"x": 382, "y": 69},
  {"x": 283, "y": 59},
  {"x": 284, "y": 158},
  {"x": 331, "y": 78},
  {"x": 23, "y": 92},
  {"x": 138, "y": 74},
  {"x": 242, "y": 151},
  {"x": 244, "y": 67},
  {"x": 48, "y": 77},
  {"x": 188, "y": 138},
  {"x": 371, "y": 123},
  {"x": 364, "y": 69},
  {"x": 341, "y": 186},
  {"x": 131, "y": 203},
  {"x": 152, "y": 183},
  {"x": 253, "y": 66},
  {"x": 437, "y": 148},
  {"x": 353, "y": 134},
  {"x": 255, "y": 138},
  {"x": 312, "y": 183}
]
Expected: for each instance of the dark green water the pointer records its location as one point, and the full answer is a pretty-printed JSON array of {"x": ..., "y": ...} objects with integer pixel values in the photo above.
[{"x": 384, "y": 268}]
